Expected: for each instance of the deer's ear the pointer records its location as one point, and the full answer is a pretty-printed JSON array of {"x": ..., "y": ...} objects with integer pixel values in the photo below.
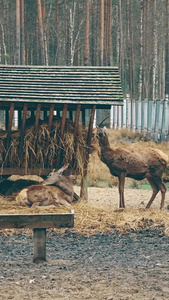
[{"x": 104, "y": 128}]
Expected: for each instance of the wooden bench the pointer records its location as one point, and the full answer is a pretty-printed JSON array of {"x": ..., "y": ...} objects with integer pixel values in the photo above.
[{"x": 39, "y": 223}]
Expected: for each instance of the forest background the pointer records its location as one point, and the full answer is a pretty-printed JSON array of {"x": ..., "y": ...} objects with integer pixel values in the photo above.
[{"x": 130, "y": 34}]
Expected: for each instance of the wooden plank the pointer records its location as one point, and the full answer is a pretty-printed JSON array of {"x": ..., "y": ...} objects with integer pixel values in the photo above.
[
  {"x": 23, "y": 171},
  {"x": 37, "y": 220}
]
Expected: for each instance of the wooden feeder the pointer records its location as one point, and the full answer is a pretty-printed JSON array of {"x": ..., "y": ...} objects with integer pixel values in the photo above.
[{"x": 45, "y": 93}]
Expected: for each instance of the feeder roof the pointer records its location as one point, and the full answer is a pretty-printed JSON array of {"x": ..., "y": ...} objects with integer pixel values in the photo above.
[{"x": 53, "y": 84}]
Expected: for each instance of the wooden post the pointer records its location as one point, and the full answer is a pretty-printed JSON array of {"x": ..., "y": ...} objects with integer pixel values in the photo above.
[
  {"x": 39, "y": 244},
  {"x": 25, "y": 108},
  {"x": 83, "y": 191},
  {"x": 77, "y": 119},
  {"x": 37, "y": 117},
  {"x": 51, "y": 116},
  {"x": 11, "y": 112},
  {"x": 62, "y": 132}
]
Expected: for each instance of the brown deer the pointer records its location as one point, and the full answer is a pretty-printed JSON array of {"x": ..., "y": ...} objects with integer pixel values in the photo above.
[
  {"x": 137, "y": 164},
  {"x": 46, "y": 194}
]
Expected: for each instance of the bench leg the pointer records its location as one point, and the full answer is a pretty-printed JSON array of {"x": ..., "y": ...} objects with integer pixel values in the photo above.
[{"x": 39, "y": 244}]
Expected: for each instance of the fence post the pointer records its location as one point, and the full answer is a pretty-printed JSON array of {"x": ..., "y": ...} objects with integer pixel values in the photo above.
[
  {"x": 164, "y": 126},
  {"x": 128, "y": 111},
  {"x": 111, "y": 117},
  {"x": 124, "y": 113}
]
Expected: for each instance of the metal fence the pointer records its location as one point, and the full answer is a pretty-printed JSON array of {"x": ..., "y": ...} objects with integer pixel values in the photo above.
[{"x": 150, "y": 117}]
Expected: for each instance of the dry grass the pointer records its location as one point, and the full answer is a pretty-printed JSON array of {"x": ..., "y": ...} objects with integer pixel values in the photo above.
[
  {"x": 90, "y": 219},
  {"x": 41, "y": 150}
]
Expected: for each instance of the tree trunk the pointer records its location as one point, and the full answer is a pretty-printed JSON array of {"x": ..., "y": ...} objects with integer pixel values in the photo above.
[
  {"x": 154, "y": 94},
  {"x": 86, "y": 41},
  {"x": 41, "y": 35},
  {"x": 22, "y": 34},
  {"x": 101, "y": 32},
  {"x": 131, "y": 61},
  {"x": 121, "y": 47},
  {"x": 18, "y": 32},
  {"x": 141, "y": 53},
  {"x": 110, "y": 48}
]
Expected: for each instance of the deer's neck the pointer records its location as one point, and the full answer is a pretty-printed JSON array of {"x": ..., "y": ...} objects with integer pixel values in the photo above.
[
  {"x": 104, "y": 144},
  {"x": 106, "y": 153}
]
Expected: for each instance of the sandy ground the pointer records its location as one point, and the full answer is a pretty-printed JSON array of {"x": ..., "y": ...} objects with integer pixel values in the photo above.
[
  {"x": 98, "y": 267},
  {"x": 133, "y": 197}
]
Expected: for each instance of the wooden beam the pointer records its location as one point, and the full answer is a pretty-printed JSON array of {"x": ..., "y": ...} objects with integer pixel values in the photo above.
[
  {"x": 90, "y": 129},
  {"x": 62, "y": 132},
  {"x": 51, "y": 116},
  {"x": 83, "y": 191},
  {"x": 36, "y": 220},
  {"x": 37, "y": 117},
  {"x": 77, "y": 117},
  {"x": 23, "y": 171}
]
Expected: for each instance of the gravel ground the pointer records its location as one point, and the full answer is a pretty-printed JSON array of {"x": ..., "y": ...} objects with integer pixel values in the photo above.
[{"x": 99, "y": 267}]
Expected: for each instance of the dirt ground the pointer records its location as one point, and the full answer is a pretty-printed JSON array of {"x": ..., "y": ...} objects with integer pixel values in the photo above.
[{"x": 110, "y": 266}]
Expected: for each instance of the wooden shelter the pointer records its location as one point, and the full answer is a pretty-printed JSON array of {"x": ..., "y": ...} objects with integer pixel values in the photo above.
[{"x": 69, "y": 91}]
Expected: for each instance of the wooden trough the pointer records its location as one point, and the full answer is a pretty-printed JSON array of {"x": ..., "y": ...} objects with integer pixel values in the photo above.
[{"x": 45, "y": 93}]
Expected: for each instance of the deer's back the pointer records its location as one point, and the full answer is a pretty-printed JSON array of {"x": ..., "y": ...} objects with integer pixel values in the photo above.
[{"x": 134, "y": 161}]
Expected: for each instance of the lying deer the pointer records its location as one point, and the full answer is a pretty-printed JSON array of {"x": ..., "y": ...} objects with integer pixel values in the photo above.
[
  {"x": 137, "y": 164},
  {"x": 46, "y": 194}
]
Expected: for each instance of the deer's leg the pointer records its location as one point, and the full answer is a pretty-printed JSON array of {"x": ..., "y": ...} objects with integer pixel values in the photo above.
[
  {"x": 155, "y": 188},
  {"x": 163, "y": 189},
  {"x": 121, "y": 189}
]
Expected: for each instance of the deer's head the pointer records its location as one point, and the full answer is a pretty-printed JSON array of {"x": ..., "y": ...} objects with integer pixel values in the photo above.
[
  {"x": 99, "y": 135},
  {"x": 54, "y": 175}
]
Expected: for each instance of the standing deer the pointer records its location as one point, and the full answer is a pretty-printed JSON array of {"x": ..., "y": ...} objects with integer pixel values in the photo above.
[
  {"x": 46, "y": 194},
  {"x": 137, "y": 164}
]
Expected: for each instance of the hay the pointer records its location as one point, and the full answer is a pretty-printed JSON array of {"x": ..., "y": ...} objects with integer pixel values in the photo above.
[
  {"x": 92, "y": 219},
  {"x": 40, "y": 150}
]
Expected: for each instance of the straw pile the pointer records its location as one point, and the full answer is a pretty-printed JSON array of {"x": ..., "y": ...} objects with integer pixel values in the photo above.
[
  {"x": 40, "y": 150},
  {"x": 91, "y": 219}
]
